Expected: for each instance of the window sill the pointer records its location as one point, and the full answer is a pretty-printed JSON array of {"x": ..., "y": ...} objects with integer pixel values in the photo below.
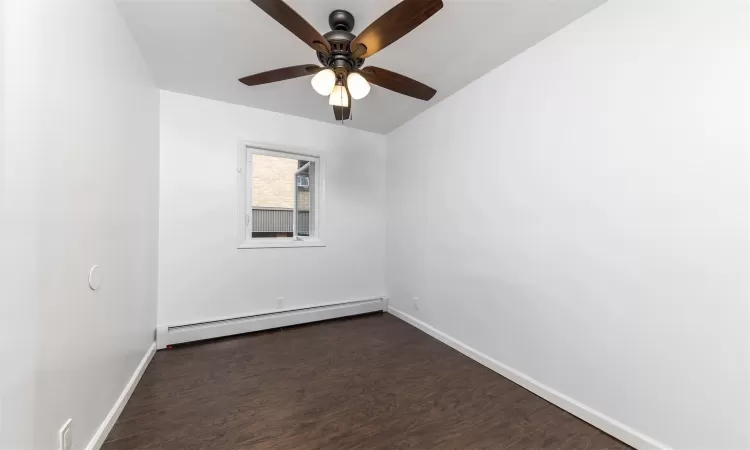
[{"x": 279, "y": 243}]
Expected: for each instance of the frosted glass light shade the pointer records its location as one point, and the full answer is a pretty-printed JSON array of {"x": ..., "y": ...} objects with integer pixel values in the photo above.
[
  {"x": 357, "y": 85},
  {"x": 324, "y": 81},
  {"x": 339, "y": 97}
]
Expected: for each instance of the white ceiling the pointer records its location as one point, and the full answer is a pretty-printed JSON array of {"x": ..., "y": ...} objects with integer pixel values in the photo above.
[{"x": 201, "y": 47}]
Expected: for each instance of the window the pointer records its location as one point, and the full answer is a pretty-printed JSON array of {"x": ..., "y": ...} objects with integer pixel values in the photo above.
[{"x": 279, "y": 199}]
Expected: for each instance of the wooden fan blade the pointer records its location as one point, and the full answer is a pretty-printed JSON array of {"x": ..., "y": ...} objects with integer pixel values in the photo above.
[
  {"x": 289, "y": 19},
  {"x": 341, "y": 112},
  {"x": 394, "y": 25},
  {"x": 285, "y": 73},
  {"x": 397, "y": 83}
]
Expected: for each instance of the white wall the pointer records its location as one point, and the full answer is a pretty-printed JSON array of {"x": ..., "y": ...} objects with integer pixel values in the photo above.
[
  {"x": 81, "y": 185},
  {"x": 18, "y": 346},
  {"x": 587, "y": 206},
  {"x": 202, "y": 274}
]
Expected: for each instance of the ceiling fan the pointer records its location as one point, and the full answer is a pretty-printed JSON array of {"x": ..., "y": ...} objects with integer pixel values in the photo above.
[{"x": 342, "y": 53}]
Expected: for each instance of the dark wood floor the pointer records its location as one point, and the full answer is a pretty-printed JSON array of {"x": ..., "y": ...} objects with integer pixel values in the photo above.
[{"x": 372, "y": 382}]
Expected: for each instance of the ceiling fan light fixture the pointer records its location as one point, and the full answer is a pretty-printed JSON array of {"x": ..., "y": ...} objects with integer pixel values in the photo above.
[
  {"x": 357, "y": 85},
  {"x": 341, "y": 54},
  {"x": 339, "y": 97},
  {"x": 324, "y": 81}
]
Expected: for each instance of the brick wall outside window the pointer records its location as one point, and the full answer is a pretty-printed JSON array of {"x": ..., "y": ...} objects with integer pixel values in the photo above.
[{"x": 274, "y": 183}]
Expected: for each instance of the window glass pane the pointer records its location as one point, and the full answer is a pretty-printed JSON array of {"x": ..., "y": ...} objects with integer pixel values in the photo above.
[
  {"x": 305, "y": 186},
  {"x": 273, "y": 194}
]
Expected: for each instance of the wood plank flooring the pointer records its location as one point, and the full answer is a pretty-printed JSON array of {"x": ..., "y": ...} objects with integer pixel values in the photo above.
[{"x": 371, "y": 382}]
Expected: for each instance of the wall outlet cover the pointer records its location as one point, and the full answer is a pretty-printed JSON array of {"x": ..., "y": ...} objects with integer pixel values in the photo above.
[{"x": 66, "y": 435}]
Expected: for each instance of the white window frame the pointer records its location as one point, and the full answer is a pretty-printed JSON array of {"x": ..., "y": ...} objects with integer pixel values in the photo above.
[{"x": 245, "y": 198}]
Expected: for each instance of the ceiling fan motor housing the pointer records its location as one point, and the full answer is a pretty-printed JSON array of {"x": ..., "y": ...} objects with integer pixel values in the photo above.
[{"x": 340, "y": 60}]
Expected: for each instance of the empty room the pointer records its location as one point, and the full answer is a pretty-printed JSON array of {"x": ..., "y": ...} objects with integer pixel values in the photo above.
[{"x": 375, "y": 224}]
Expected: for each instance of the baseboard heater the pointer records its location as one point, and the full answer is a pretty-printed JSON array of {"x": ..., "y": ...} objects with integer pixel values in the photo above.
[{"x": 170, "y": 335}]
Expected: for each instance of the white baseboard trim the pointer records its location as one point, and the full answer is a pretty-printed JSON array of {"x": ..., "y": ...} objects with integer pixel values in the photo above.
[
  {"x": 595, "y": 418},
  {"x": 177, "y": 334},
  {"x": 106, "y": 426}
]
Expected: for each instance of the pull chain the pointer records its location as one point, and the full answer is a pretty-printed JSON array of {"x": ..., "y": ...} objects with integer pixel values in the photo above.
[{"x": 342, "y": 100}]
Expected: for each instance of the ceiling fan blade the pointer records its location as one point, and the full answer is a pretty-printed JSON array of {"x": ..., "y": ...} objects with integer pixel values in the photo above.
[
  {"x": 397, "y": 83},
  {"x": 285, "y": 73},
  {"x": 343, "y": 112},
  {"x": 289, "y": 19},
  {"x": 393, "y": 25}
]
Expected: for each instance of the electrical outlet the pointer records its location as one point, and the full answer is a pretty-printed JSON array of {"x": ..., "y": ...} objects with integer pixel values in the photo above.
[
  {"x": 415, "y": 300},
  {"x": 66, "y": 435},
  {"x": 279, "y": 302}
]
